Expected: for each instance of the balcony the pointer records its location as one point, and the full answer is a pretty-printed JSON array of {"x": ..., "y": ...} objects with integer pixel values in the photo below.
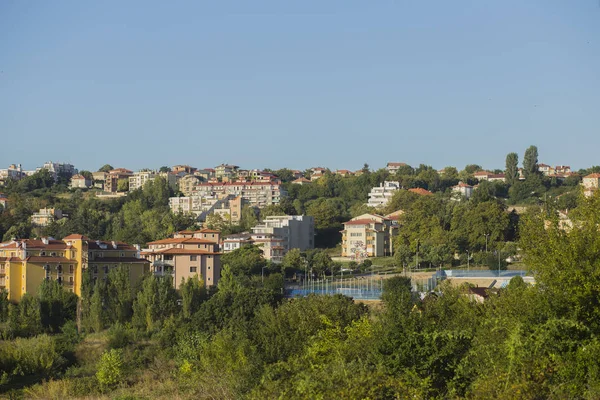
[{"x": 163, "y": 263}]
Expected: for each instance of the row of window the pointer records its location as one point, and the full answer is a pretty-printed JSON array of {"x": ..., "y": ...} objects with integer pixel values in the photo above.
[{"x": 59, "y": 268}]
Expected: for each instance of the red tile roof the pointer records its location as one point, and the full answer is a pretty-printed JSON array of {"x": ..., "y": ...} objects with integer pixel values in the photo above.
[
  {"x": 421, "y": 191},
  {"x": 178, "y": 251},
  {"x": 182, "y": 241},
  {"x": 593, "y": 176},
  {"x": 118, "y": 260},
  {"x": 75, "y": 236}
]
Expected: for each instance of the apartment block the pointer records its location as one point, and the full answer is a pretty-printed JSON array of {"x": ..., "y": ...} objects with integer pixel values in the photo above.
[
  {"x": 462, "y": 189},
  {"x": 189, "y": 254},
  {"x": 270, "y": 245},
  {"x": 393, "y": 167},
  {"x": 188, "y": 183},
  {"x": 112, "y": 179},
  {"x": 256, "y": 194},
  {"x": 26, "y": 263},
  {"x": 381, "y": 195},
  {"x": 140, "y": 178},
  {"x": 369, "y": 235},
  {"x": 13, "y": 172},
  {"x": 226, "y": 172}
]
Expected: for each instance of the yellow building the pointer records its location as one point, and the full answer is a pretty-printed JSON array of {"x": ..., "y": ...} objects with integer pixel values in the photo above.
[
  {"x": 370, "y": 235},
  {"x": 25, "y": 263}
]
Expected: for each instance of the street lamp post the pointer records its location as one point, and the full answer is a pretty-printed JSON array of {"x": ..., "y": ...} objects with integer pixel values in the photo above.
[{"x": 468, "y": 262}]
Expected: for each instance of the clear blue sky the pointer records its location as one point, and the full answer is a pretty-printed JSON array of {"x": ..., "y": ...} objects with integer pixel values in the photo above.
[{"x": 298, "y": 84}]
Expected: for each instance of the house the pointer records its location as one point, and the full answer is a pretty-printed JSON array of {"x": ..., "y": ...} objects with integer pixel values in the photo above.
[
  {"x": 421, "y": 191},
  {"x": 301, "y": 181},
  {"x": 344, "y": 172},
  {"x": 590, "y": 183},
  {"x": 462, "y": 189},
  {"x": 316, "y": 173},
  {"x": 381, "y": 195},
  {"x": 488, "y": 176},
  {"x": 297, "y": 174},
  {"x": 393, "y": 167},
  {"x": 369, "y": 235},
  {"x": 3, "y": 201},
  {"x": 188, "y": 254},
  {"x": 545, "y": 169},
  {"x": 45, "y": 216},
  {"x": 26, "y": 263},
  {"x": 80, "y": 181},
  {"x": 562, "y": 169}
]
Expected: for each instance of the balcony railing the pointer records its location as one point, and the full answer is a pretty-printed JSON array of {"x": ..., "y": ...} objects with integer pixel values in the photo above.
[{"x": 163, "y": 263}]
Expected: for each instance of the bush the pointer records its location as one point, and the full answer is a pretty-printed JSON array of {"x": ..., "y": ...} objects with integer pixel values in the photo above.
[
  {"x": 118, "y": 336},
  {"x": 37, "y": 355},
  {"x": 110, "y": 368}
]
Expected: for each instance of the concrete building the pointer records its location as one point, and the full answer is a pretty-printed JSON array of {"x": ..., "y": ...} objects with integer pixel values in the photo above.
[
  {"x": 301, "y": 181},
  {"x": 80, "y": 181},
  {"x": 140, "y": 178},
  {"x": 111, "y": 182},
  {"x": 226, "y": 172},
  {"x": 462, "y": 189},
  {"x": 297, "y": 231},
  {"x": 590, "y": 183},
  {"x": 381, "y": 195},
  {"x": 183, "y": 168},
  {"x": 488, "y": 176},
  {"x": 25, "y": 263},
  {"x": 271, "y": 245},
  {"x": 189, "y": 254},
  {"x": 256, "y": 194},
  {"x": 57, "y": 168},
  {"x": 228, "y": 206},
  {"x": 3, "y": 201},
  {"x": 369, "y": 235},
  {"x": 46, "y": 216},
  {"x": 187, "y": 184}
]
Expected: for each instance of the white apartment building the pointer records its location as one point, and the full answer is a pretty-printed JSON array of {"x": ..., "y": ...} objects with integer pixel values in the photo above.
[
  {"x": 393, "y": 167},
  {"x": 46, "y": 216},
  {"x": 256, "y": 194},
  {"x": 56, "y": 168},
  {"x": 13, "y": 171},
  {"x": 201, "y": 206},
  {"x": 381, "y": 195}
]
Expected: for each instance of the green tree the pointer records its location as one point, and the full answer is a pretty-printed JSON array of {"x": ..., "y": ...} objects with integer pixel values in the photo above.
[
  {"x": 57, "y": 306},
  {"x": 3, "y": 305},
  {"x": 192, "y": 293},
  {"x": 123, "y": 185},
  {"x": 245, "y": 261},
  {"x": 164, "y": 169},
  {"x": 154, "y": 303},
  {"x": 530, "y": 162},
  {"x": 106, "y": 168},
  {"x": 120, "y": 295},
  {"x": 98, "y": 316},
  {"x": 512, "y": 168},
  {"x": 292, "y": 261},
  {"x": 248, "y": 218}
]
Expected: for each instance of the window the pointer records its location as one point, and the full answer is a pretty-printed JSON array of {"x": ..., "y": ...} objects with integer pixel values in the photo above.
[
  {"x": 71, "y": 279},
  {"x": 71, "y": 268},
  {"x": 193, "y": 258},
  {"x": 106, "y": 269},
  {"x": 209, "y": 256},
  {"x": 95, "y": 269},
  {"x": 122, "y": 254},
  {"x": 208, "y": 267},
  {"x": 59, "y": 269},
  {"x": 193, "y": 269},
  {"x": 53, "y": 254}
]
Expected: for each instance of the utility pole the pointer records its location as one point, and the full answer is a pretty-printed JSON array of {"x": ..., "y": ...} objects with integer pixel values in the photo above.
[{"x": 486, "y": 240}]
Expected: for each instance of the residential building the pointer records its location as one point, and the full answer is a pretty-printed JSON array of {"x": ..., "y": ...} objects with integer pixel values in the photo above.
[
  {"x": 187, "y": 184},
  {"x": 381, "y": 195},
  {"x": 112, "y": 179},
  {"x": 297, "y": 231},
  {"x": 206, "y": 174},
  {"x": 46, "y": 216},
  {"x": 562, "y": 169},
  {"x": 301, "y": 181},
  {"x": 99, "y": 179},
  {"x": 56, "y": 169},
  {"x": 256, "y": 194},
  {"x": 13, "y": 172},
  {"x": 3, "y": 201},
  {"x": 80, "y": 181},
  {"x": 369, "y": 235},
  {"x": 271, "y": 245},
  {"x": 316, "y": 173},
  {"x": 140, "y": 178},
  {"x": 226, "y": 172},
  {"x": 393, "y": 167},
  {"x": 183, "y": 168},
  {"x": 489, "y": 176},
  {"x": 189, "y": 254},
  {"x": 230, "y": 209},
  {"x": 463, "y": 190},
  {"x": 545, "y": 169},
  {"x": 297, "y": 174},
  {"x": 344, "y": 172},
  {"x": 25, "y": 263},
  {"x": 590, "y": 183}
]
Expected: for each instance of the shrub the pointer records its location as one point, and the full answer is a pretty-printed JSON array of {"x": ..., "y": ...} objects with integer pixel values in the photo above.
[
  {"x": 110, "y": 368},
  {"x": 118, "y": 336}
]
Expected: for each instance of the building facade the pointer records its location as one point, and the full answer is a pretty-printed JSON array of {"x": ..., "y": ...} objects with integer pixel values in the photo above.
[
  {"x": 381, "y": 195},
  {"x": 189, "y": 254},
  {"x": 369, "y": 235},
  {"x": 26, "y": 263},
  {"x": 256, "y": 194}
]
